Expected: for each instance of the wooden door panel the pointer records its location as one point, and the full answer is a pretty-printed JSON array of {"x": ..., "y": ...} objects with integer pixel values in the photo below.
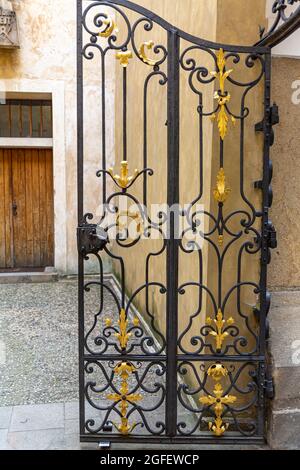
[
  {"x": 36, "y": 208},
  {"x": 26, "y": 232},
  {"x": 6, "y": 240},
  {"x": 19, "y": 214},
  {"x": 29, "y": 207},
  {"x": 49, "y": 210}
]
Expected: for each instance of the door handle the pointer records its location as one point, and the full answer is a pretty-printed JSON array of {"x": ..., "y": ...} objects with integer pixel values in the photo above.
[{"x": 15, "y": 209}]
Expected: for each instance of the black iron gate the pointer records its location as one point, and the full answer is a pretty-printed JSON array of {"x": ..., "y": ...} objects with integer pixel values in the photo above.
[{"x": 157, "y": 370}]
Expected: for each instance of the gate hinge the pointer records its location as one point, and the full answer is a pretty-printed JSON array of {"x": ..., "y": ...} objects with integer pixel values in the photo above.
[
  {"x": 89, "y": 241},
  {"x": 271, "y": 236},
  {"x": 269, "y": 387},
  {"x": 273, "y": 120}
]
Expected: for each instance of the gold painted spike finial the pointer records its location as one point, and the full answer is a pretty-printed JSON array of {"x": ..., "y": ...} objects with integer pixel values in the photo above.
[
  {"x": 218, "y": 400},
  {"x": 123, "y": 336},
  {"x": 222, "y": 191},
  {"x": 218, "y": 330},
  {"x": 222, "y": 96},
  {"x": 142, "y": 53},
  {"x": 109, "y": 27},
  {"x": 123, "y": 57},
  {"x": 124, "y": 398},
  {"x": 123, "y": 180}
]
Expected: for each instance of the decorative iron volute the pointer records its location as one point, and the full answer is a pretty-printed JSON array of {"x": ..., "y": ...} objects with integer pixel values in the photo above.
[{"x": 89, "y": 240}]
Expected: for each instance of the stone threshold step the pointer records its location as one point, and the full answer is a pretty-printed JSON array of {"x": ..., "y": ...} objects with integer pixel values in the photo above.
[{"x": 49, "y": 275}]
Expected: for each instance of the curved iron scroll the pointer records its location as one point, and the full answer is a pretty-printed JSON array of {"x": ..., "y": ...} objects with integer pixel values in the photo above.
[
  {"x": 283, "y": 24},
  {"x": 203, "y": 381}
]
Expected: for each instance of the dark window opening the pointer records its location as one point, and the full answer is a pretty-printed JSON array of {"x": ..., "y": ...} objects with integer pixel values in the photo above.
[{"x": 26, "y": 118}]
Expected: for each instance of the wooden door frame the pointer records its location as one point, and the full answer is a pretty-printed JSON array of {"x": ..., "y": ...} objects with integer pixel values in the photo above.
[{"x": 56, "y": 90}]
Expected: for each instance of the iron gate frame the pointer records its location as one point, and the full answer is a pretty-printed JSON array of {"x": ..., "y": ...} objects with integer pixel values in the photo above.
[{"x": 89, "y": 242}]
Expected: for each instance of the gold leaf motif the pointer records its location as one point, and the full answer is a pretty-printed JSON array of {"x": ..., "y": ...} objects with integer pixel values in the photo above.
[
  {"x": 222, "y": 96},
  {"x": 123, "y": 57},
  {"x": 123, "y": 180},
  {"x": 110, "y": 27},
  {"x": 222, "y": 191},
  {"x": 123, "y": 336},
  {"x": 142, "y": 53},
  {"x": 218, "y": 332},
  {"x": 218, "y": 400},
  {"x": 124, "y": 398}
]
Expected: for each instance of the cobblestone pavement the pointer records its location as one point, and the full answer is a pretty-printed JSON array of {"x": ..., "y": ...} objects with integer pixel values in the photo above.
[{"x": 38, "y": 330}]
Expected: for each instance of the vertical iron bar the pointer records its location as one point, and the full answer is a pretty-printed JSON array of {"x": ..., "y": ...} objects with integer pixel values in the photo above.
[
  {"x": 172, "y": 243},
  {"x": 103, "y": 87},
  {"x": 265, "y": 218},
  {"x": 125, "y": 114},
  {"x": 80, "y": 211},
  {"x": 265, "y": 247}
]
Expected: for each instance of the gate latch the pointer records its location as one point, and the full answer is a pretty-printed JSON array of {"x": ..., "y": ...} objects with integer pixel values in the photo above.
[
  {"x": 272, "y": 236},
  {"x": 89, "y": 241}
]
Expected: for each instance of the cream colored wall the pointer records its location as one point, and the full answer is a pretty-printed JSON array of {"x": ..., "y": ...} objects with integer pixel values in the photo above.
[{"x": 46, "y": 62}]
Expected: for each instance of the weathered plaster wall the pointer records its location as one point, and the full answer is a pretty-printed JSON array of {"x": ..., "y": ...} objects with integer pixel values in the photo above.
[
  {"x": 48, "y": 53},
  {"x": 285, "y": 267}
]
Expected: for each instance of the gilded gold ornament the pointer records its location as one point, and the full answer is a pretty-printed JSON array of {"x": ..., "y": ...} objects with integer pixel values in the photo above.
[
  {"x": 123, "y": 180},
  {"x": 222, "y": 191},
  {"x": 218, "y": 333},
  {"x": 124, "y": 398},
  {"x": 123, "y": 57},
  {"x": 218, "y": 400},
  {"x": 142, "y": 53},
  {"x": 123, "y": 336},
  {"x": 222, "y": 96},
  {"x": 109, "y": 28}
]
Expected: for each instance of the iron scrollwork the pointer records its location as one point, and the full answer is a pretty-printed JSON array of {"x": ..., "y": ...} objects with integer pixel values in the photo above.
[{"x": 280, "y": 17}]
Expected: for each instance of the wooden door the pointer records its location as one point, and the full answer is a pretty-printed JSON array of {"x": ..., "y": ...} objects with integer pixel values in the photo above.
[{"x": 26, "y": 208}]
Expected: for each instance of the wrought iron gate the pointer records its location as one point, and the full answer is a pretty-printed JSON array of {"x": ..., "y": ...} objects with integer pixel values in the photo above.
[{"x": 158, "y": 371}]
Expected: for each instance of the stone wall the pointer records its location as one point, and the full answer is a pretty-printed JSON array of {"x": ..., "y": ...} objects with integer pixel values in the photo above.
[{"x": 284, "y": 271}]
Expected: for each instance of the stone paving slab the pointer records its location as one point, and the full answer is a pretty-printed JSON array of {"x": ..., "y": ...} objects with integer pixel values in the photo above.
[
  {"x": 34, "y": 440},
  {"x": 37, "y": 417},
  {"x": 3, "y": 439},
  {"x": 67, "y": 436},
  {"x": 5, "y": 416}
]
